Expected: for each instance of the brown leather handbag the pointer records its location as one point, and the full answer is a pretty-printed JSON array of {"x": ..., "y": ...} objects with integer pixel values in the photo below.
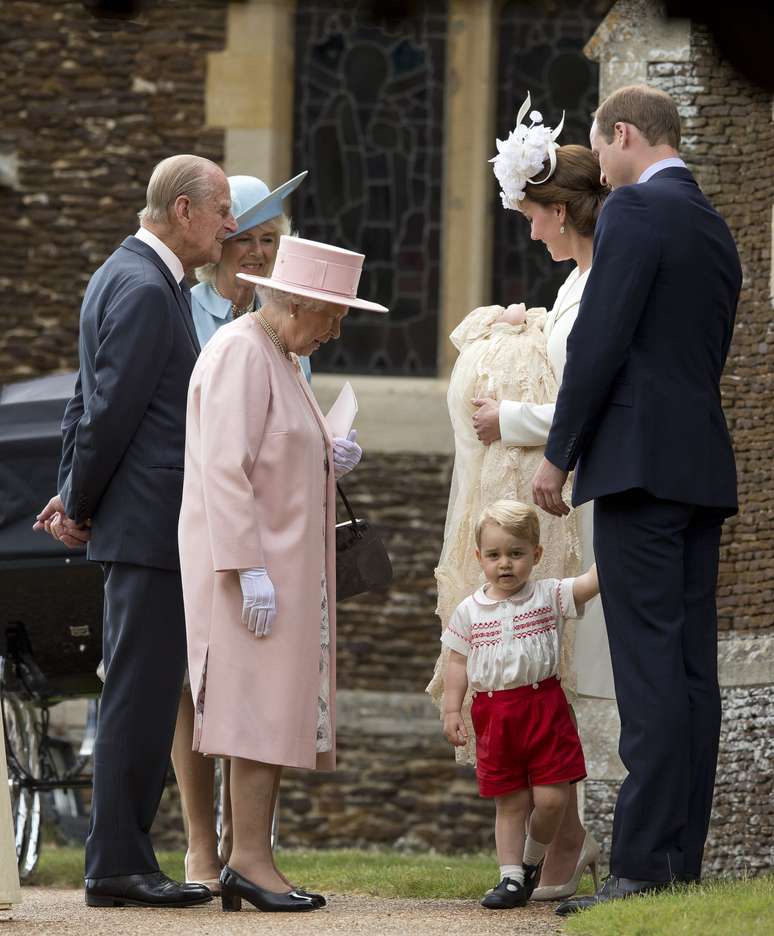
[{"x": 362, "y": 563}]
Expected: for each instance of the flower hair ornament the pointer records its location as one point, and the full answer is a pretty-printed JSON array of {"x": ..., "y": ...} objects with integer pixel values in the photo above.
[{"x": 521, "y": 157}]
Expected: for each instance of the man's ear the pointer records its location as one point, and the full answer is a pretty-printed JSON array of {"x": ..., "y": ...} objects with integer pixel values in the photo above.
[{"x": 182, "y": 209}]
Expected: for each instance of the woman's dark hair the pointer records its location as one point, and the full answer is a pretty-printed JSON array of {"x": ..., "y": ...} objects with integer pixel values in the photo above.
[{"x": 574, "y": 184}]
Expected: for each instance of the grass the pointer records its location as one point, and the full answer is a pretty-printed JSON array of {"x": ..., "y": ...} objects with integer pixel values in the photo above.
[
  {"x": 344, "y": 871},
  {"x": 717, "y": 908}
]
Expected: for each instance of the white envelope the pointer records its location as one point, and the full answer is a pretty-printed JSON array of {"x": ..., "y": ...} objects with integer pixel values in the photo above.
[{"x": 342, "y": 414}]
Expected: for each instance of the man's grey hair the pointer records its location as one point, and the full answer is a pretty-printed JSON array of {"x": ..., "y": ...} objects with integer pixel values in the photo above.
[{"x": 175, "y": 176}]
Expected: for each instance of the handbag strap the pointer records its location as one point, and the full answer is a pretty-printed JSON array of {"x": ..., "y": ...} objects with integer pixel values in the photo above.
[{"x": 348, "y": 507}]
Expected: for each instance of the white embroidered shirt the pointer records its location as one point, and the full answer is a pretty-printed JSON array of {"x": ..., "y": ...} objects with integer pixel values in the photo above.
[{"x": 514, "y": 641}]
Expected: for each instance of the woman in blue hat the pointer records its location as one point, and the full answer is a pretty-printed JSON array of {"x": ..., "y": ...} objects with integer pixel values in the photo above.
[
  {"x": 219, "y": 296},
  {"x": 217, "y": 299}
]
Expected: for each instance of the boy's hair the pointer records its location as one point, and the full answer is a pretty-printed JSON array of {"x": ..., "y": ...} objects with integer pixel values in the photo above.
[{"x": 518, "y": 519}]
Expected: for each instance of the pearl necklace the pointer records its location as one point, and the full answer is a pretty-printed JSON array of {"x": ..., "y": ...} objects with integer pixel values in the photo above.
[
  {"x": 236, "y": 310},
  {"x": 275, "y": 338}
]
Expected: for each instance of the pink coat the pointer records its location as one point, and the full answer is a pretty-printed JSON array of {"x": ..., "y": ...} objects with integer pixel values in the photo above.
[{"x": 253, "y": 496}]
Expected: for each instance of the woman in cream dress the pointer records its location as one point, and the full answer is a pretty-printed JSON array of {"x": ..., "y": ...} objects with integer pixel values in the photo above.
[{"x": 511, "y": 362}]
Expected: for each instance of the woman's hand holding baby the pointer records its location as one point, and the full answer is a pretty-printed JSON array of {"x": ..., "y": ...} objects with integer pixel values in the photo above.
[{"x": 486, "y": 420}]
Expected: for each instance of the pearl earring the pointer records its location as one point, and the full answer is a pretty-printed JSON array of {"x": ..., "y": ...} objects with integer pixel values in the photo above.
[
  {"x": 561, "y": 229},
  {"x": 292, "y": 314}
]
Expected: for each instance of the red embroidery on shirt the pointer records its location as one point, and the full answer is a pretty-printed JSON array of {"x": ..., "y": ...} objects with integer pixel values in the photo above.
[
  {"x": 559, "y": 599},
  {"x": 458, "y": 634}
]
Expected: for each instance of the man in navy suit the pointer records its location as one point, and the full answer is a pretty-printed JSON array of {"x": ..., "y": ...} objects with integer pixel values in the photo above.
[
  {"x": 120, "y": 488},
  {"x": 639, "y": 418}
]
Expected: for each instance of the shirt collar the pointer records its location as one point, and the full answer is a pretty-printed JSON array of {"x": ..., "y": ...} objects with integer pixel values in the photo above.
[
  {"x": 525, "y": 592},
  {"x": 170, "y": 259},
  {"x": 672, "y": 162}
]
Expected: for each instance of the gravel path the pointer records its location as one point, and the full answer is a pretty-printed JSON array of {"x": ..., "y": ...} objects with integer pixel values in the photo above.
[{"x": 50, "y": 912}]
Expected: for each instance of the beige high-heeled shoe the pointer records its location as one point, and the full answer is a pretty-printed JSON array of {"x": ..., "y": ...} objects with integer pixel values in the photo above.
[
  {"x": 212, "y": 885},
  {"x": 588, "y": 858}
]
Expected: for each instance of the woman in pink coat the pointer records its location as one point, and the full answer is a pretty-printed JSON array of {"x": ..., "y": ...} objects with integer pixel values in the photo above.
[{"x": 257, "y": 552}]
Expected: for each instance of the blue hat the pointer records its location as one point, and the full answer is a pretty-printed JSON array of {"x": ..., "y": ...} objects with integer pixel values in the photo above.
[{"x": 252, "y": 203}]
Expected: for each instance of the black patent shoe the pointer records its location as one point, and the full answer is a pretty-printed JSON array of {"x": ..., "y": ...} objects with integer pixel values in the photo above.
[
  {"x": 531, "y": 877},
  {"x": 317, "y": 898},
  {"x": 143, "y": 890},
  {"x": 234, "y": 888},
  {"x": 614, "y": 888},
  {"x": 507, "y": 895}
]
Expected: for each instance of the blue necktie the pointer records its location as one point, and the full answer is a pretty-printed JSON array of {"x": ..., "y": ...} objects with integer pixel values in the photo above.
[{"x": 185, "y": 289}]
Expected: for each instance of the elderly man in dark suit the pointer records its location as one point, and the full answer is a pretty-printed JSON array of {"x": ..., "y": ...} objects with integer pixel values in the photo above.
[
  {"x": 120, "y": 487},
  {"x": 639, "y": 412}
]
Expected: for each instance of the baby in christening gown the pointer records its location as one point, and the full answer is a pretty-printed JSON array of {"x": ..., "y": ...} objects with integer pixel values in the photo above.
[{"x": 502, "y": 354}]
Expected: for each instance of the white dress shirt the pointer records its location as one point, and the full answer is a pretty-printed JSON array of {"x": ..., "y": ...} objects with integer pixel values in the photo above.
[
  {"x": 514, "y": 641},
  {"x": 669, "y": 163},
  {"x": 170, "y": 259}
]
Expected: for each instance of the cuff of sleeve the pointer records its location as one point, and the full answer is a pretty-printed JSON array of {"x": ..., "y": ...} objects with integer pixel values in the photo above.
[
  {"x": 454, "y": 642},
  {"x": 508, "y": 415},
  {"x": 567, "y": 606}
]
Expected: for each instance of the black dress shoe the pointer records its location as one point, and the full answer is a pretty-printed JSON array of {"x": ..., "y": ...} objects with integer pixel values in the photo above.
[
  {"x": 143, "y": 890},
  {"x": 531, "y": 877},
  {"x": 507, "y": 895},
  {"x": 317, "y": 898},
  {"x": 234, "y": 887},
  {"x": 614, "y": 888}
]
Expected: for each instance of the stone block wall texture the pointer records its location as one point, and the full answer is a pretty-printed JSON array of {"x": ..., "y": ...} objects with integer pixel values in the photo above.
[
  {"x": 87, "y": 107},
  {"x": 741, "y": 835},
  {"x": 728, "y": 141}
]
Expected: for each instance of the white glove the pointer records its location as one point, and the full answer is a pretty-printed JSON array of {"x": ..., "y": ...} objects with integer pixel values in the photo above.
[
  {"x": 346, "y": 454},
  {"x": 258, "y": 606}
]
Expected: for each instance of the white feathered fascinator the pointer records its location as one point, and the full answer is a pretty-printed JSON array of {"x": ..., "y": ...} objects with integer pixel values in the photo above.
[{"x": 521, "y": 157}]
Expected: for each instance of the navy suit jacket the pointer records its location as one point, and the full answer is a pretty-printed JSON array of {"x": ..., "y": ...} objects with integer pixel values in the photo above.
[
  {"x": 639, "y": 405},
  {"x": 124, "y": 429}
]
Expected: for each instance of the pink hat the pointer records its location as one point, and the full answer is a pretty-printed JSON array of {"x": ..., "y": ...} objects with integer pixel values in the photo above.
[{"x": 320, "y": 271}]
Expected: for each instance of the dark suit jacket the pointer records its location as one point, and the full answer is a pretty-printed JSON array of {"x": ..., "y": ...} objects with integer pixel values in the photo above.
[
  {"x": 124, "y": 429},
  {"x": 639, "y": 405}
]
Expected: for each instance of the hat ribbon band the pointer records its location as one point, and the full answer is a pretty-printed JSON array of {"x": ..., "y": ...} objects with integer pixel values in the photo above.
[{"x": 308, "y": 273}]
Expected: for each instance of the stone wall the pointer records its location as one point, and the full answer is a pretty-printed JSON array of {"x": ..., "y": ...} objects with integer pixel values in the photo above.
[
  {"x": 87, "y": 108},
  {"x": 390, "y": 642},
  {"x": 728, "y": 142},
  {"x": 741, "y": 836}
]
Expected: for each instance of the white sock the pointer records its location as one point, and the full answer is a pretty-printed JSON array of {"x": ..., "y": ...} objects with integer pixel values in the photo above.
[
  {"x": 534, "y": 852},
  {"x": 514, "y": 872}
]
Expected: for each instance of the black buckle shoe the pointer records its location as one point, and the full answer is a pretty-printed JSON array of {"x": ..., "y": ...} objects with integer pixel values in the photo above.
[
  {"x": 144, "y": 890},
  {"x": 507, "y": 895},
  {"x": 234, "y": 887},
  {"x": 614, "y": 888}
]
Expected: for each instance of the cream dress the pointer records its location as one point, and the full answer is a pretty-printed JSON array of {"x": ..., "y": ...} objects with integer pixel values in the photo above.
[
  {"x": 525, "y": 423},
  {"x": 504, "y": 362}
]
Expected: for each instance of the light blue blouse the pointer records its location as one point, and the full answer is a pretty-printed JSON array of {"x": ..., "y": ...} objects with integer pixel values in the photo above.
[{"x": 211, "y": 311}]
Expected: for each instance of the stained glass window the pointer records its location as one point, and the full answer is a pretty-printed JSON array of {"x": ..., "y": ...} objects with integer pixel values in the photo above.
[
  {"x": 368, "y": 125},
  {"x": 540, "y": 51}
]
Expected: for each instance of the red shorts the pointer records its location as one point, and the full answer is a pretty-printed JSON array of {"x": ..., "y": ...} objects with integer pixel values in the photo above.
[{"x": 525, "y": 737}]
